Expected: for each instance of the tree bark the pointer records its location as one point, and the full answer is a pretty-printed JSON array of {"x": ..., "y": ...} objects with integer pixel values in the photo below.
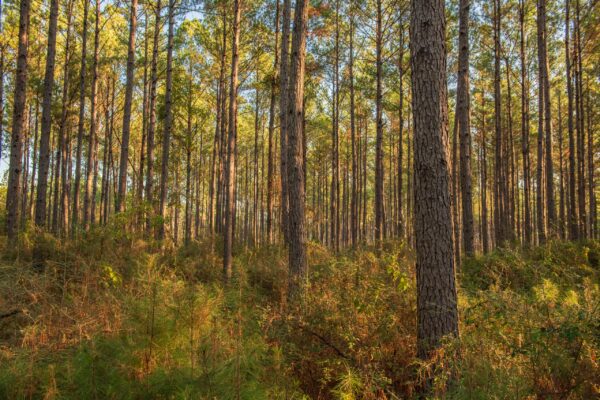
[
  {"x": 120, "y": 200},
  {"x": 44, "y": 157},
  {"x": 81, "y": 123},
  {"x": 13, "y": 195},
  {"x": 354, "y": 219},
  {"x": 91, "y": 156},
  {"x": 152, "y": 119},
  {"x": 464, "y": 126},
  {"x": 437, "y": 314},
  {"x": 297, "y": 236},
  {"x": 230, "y": 178},
  {"x": 379, "y": 217},
  {"x": 334, "y": 201},
  {"x": 525, "y": 128},
  {"x": 60, "y": 210},
  {"x": 544, "y": 87},
  {"x": 284, "y": 88},
  {"x": 167, "y": 124},
  {"x": 271, "y": 153}
]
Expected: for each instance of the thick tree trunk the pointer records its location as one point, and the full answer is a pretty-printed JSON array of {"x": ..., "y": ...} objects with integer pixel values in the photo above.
[
  {"x": 120, "y": 201},
  {"x": 437, "y": 314},
  {"x": 297, "y": 236},
  {"x": 44, "y": 157},
  {"x": 13, "y": 195}
]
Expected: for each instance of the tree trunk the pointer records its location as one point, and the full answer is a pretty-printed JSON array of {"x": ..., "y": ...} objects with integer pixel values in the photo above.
[
  {"x": 561, "y": 219},
  {"x": 13, "y": 195},
  {"x": 81, "y": 123},
  {"x": 271, "y": 154},
  {"x": 120, "y": 201},
  {"x": 379, "y": 217},
  {"x": 437, "y": 314},
  {"x": 572, "y": 204},
  {"x": 355, "y": 170},
  {"x": 499, "y": 177},
  {"x": 400, "y": 224},
  {"x": 44, "y": 160},
  {"x": 544, "y": 86},
  {"x": 91, "y": 156},
  {"x": 167, "y": 124},
  {"x": 230, "y": 178},
  {"x": 485, "y": 238},
  {"x": 152, "y": 119},
  {"x": 334, "y": 201},
  {"x": 284, "y": 88},
  {"x": 60, "y": 209},
  {"x": 297, "y": 237},
  {"x": 464, "y": 126},
  {"x": 454, "y": 193},
  {"x": 579, "y": 125},
  {"x": 525, "y": 128}
]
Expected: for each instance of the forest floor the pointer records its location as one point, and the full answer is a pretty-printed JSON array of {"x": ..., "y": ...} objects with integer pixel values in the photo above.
[{"x": 113, "y": 317}]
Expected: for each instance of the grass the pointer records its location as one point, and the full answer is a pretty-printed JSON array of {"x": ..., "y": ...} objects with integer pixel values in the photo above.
[{"x": 115, "y": 317}]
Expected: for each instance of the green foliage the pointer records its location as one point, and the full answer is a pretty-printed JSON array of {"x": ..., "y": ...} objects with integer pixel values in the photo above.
[{"x": 112, "y": 317}]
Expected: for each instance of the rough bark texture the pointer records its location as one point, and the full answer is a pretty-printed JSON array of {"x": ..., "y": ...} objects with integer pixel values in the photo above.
[
  {"x": 437, "y": 314},
  {"x": 297, "y": 237},
  {"x": 464, "y": 126},
  {"x": 13, "y": 195},
  {"x": 44, "y": 160},
  {"x": 283, "y": 110},
  {"x": 544, "y": 85},
  {"x": 120, "y": 203},
  {"x": 500, "y": 217}
]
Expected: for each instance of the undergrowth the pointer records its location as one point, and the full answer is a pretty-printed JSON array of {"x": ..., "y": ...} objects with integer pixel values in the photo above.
[{"x": 113, "y": 316}]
